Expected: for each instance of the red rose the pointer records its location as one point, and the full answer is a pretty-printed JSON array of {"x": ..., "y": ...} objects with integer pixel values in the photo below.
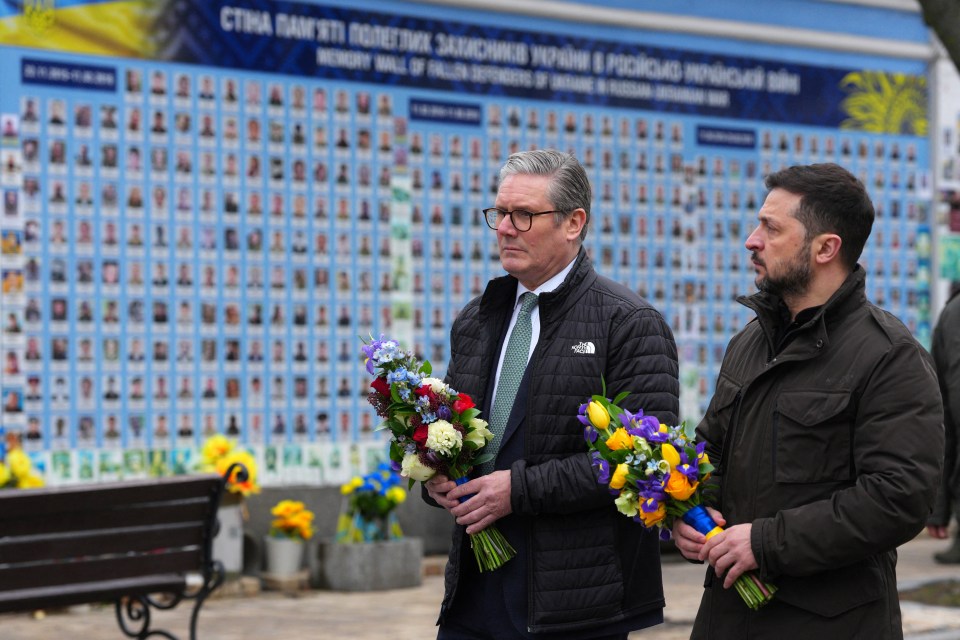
[
  {"x": 423, "y": 390},
  {"x": 380, "y": 386},
  {"x": 420, "y": 435},
  {"x": 462, "y": 403}
]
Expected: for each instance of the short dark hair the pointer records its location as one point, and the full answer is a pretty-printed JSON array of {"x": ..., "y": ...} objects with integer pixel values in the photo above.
[{"x": 832, "y": 200}]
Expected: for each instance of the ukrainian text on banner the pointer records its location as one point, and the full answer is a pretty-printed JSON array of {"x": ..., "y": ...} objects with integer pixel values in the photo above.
[{"x": 389, "y": 49}]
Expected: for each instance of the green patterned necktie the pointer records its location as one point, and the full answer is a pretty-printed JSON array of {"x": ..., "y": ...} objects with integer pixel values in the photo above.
[{"x": 511, "y": 372}]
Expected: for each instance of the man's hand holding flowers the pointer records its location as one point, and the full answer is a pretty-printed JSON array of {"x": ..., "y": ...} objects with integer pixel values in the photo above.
[
  {"x": 730, "y": 553},
  {"x": 437, "y": 438},
  {"x": 489, "y": 501},
  {"x": 438, "y": 487}
]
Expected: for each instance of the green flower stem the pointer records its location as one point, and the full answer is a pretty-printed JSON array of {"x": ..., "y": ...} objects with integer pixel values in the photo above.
[
  {"x": 754, "y": 592},
  {"x": 490, "y": 549}
]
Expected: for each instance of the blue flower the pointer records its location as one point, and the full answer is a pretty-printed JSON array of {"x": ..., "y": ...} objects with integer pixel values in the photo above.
[{"x": 397, "y": 375}]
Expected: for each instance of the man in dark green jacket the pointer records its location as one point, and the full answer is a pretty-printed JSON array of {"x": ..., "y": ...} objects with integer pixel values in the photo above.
[{"x": 825, "y": 428}]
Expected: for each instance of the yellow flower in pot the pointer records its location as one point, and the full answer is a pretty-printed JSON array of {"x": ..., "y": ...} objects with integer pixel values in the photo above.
[{"x": 292, "y": 524}]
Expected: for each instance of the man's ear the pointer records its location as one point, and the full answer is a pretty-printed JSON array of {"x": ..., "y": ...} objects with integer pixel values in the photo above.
[
  {"x": 574, "y": 223},
  {"x": 827, "y": 247}
]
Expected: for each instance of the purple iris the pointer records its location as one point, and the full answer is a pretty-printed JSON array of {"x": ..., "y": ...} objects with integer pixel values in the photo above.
[
  {"x": 626, "y": 418},
  {"x": 582, "y": 414},
  {"x": 653, "y": 488},
  {"x": 589, "y": 431},
  {"x": 602, "y": 467},
  {"x": 649, "y": 506},
  {"x": 648, "y": 428}
]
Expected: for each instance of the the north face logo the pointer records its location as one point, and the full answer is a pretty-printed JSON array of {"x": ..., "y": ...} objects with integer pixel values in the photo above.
[{"x": 584, "y": 347}]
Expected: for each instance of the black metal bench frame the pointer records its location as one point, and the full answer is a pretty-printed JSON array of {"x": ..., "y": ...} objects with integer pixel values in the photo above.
[{"x": 132, "y": 543}]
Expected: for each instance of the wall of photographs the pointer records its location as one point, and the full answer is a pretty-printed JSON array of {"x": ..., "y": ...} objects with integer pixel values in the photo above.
[{"x": 190, "y": 249}]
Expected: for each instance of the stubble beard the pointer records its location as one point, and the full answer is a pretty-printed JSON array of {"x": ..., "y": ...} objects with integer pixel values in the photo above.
[{"x": 794, "y": 280}]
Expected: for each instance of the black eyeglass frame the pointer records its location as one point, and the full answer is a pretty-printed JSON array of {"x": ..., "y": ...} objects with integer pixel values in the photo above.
[{"x": 496, "y": 212}]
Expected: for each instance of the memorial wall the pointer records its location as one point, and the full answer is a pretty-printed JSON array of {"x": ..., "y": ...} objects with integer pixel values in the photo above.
[{"x": 208, "y": 204}]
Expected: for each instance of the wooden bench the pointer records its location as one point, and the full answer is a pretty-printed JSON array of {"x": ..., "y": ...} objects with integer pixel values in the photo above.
[{"x": 131, "y": 543}]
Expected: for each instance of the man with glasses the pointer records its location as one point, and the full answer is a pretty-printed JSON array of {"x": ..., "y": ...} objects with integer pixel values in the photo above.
[{"x": 529, "y": 351}]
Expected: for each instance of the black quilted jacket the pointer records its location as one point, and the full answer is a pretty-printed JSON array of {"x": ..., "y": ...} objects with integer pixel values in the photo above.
[{"x": 588, "y": 565}]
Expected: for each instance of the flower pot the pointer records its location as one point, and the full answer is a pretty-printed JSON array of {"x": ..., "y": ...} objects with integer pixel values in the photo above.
[
  {"x": 228, "y": 543},
  {"x": 370, "y": 566},
  {"x": 284, "y": 556}
]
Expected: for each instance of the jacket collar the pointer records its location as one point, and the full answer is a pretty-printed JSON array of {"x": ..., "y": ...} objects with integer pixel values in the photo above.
[
  {"x": 500, "y": 294},
  {"x": 849, "y": 296}
]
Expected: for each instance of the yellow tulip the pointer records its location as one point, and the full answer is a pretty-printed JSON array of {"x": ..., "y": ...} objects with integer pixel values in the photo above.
[
  {"x": 670, "y": 454},
  {"x": 619, "y": 476},
  {"x": 620, "y": 440},
  {"x": 678, "y": 486},
  {"x": 598, "y": 415},
  {"x": 653, "y": 517}
]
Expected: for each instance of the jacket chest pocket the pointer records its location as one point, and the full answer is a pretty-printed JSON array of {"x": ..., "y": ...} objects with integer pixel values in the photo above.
[{"x": 813, "y": 437}]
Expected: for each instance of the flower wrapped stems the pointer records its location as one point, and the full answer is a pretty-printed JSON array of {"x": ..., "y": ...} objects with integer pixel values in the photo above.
[
  {"x": 657, "y": 473},
  {"x": 490, "y": 549},
  {"x": 754, "y": 591},
  {"x": 434, "y": 429}
]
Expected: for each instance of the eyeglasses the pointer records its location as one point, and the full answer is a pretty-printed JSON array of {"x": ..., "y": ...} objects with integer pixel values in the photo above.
[{"x": 522, "y": 220}]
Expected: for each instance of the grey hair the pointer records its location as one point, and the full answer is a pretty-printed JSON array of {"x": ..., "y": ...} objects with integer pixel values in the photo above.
[{"x": 569, "y": 189}]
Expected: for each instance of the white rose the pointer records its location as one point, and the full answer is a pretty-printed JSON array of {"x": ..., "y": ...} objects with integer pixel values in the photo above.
[
  {"x": 436, "y": 385},
  {"x": 443, "y": 438},
  {"x": 411, "y": 467},
  {"x": 477, "y": 433}
]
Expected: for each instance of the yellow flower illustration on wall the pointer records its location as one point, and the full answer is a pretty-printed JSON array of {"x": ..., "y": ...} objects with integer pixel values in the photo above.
[{"x": 881, "y": 102}]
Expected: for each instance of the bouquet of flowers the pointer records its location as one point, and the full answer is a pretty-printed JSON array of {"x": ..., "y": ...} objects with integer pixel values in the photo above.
[
  {"x": 657, "y": 473},
  {"x": 435, "y": 429},
  {"x": 291, "y": 519},
  {"x": 218, "y": 453},
  {"x": 368, "y": 513}
]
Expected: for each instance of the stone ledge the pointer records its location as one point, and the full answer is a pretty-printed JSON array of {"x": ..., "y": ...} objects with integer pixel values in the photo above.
[
  {"x": 238, "y": 586},
  {"x": 299, "y": 581}
]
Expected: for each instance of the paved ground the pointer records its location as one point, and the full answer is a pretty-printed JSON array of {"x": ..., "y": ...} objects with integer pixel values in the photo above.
[{"x": 409, "y": 614}]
